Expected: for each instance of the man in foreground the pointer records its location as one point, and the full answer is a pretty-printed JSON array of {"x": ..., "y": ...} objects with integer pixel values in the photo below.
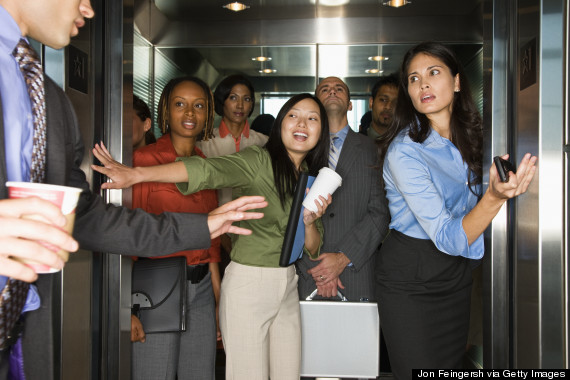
[{"x": 40, "y": 142}]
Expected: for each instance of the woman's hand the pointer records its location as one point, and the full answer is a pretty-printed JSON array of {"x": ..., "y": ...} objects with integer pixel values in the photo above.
[
  {"x": 518, "y": 183},
  {"x": 309, "y": 216},
  {"x": 121, "y": 176},
  {"x": 137, "y": 331},
  {"x": 478, "y": 219}
]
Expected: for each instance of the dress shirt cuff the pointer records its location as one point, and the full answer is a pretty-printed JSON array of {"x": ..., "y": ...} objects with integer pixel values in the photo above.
[
  {"x": 33, "y": 300},
  {"x": 197, "y": 175},
  {"x": 452, "y": 240}
]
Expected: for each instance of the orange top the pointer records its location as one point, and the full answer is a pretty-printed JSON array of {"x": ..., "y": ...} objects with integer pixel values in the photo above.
[{"x": 156, "y": 198}]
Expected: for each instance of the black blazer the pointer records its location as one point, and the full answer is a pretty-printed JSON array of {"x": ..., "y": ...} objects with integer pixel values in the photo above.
[{"x": 98, "y": 226}]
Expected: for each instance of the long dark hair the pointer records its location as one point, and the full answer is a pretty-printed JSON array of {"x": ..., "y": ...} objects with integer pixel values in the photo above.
[
  {"x": 466, "y": 125},
  {"x": 284, "y": 170},
  {"x": 163, "y": 106}
]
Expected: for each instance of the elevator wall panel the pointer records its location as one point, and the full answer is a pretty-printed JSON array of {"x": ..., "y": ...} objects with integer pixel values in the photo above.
[
  {"x": 525, "y": 221},
  {"x": 77, "y": 274}
]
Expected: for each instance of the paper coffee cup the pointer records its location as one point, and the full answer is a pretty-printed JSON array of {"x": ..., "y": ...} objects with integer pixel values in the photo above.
[
  {"x": 326, "y": 183},
  {"x": 64, "y": 197}
]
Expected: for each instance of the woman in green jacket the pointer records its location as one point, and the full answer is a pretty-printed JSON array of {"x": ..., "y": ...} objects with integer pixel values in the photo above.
[{"x": 259, "y": 307}]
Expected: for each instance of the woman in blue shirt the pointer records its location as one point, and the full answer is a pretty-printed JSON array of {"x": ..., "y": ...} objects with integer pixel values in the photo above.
[{"x": 432, "y": 160}]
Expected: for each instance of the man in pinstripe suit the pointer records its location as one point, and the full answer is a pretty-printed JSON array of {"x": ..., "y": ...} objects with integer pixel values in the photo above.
[{"x": 357, "y": 220}]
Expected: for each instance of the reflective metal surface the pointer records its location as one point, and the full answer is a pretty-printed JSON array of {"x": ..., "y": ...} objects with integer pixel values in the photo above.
[
  {"x": 497, "y": 111},
  {"x": 525, "y": 277},
  {"x": 76, "y": 288},
  {"x": 566, "y": 163},
  {"x": 526, "y": 258},
  {"x": 117, "y": 135},
  {"x": 550, "y": 185},
  {"x": 201, "y": 34}
]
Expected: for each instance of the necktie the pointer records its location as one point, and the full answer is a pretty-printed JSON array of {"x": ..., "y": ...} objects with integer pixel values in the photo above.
[
  {"x": 12, "y": 302},
  {"x": 13, "y": 296},
  {"x": 32, "y": 70},
  {"x": 333, "y": 153}
]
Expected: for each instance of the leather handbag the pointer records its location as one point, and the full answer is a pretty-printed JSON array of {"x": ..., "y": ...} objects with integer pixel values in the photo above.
[{"x": 158, "y": 294}]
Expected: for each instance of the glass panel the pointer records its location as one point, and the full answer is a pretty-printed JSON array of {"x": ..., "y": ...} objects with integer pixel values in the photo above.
[
  {"x": 296, "y": 69},
  {"x": 294, "y": 66}
]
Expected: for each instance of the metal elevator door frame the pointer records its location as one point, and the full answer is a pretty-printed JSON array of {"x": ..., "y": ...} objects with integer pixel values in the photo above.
[
  {"x": 506, "y": 131},
  {"x": 113, "y": 50},
  {"x": 552, "y": 219}
]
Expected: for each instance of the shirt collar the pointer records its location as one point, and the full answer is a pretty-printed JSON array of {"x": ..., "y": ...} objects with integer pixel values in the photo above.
[
  {"x": 165, "y": 147},
  {"x": 10, "y": 33},
  {"x": 436, "y": 139},
  {"x": 224, "y": 131},
  {"x": 433, "y": 139},
  {"x": 341, "y": 134},
  {"x": 371, "y": 132}
]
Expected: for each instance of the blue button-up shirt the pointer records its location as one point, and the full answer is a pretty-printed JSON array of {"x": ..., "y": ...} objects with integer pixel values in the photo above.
[
  {"x": 428, "y": 193},
  {"x": 17, "y": 118},
  {"x": 16, "y": 105}
]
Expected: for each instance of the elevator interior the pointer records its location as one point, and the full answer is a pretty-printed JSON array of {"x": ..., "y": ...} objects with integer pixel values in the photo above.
[{"x": 518, "y": 77}]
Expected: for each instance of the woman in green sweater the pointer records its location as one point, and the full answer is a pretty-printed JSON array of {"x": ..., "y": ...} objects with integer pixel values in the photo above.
[{"x": 259, "y": 307}]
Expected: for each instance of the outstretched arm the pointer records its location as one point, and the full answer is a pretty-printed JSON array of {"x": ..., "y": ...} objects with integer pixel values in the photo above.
[{"x": 123, "y": 176}]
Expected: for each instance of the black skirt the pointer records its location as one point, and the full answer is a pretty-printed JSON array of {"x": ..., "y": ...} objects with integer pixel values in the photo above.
[{"x": 423, "y": 300}]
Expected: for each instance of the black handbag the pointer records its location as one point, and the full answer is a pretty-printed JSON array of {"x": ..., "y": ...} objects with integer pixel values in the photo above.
[{"x": 158, "y": 294}]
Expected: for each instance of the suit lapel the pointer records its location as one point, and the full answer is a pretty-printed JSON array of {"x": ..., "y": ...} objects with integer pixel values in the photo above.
[
  {"x": 3, "y": 171},
  {"x": 348, "y": 152},
  {"x": 56, "y": 139}
]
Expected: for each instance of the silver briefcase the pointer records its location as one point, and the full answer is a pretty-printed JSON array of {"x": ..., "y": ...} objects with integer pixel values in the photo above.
[{"x": 339, "y": 339}]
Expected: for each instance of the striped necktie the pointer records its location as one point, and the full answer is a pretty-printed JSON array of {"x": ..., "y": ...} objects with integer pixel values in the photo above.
[
  {"x": 31, "y": 68},
  {"x": 333, "y": 153},
  {"x": 13, "y": 296}
]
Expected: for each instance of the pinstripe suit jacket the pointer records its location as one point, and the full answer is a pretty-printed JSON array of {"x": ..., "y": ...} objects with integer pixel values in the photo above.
[
  {"x": 356, "y": 221},
  {"x": 98, "y": 227}
]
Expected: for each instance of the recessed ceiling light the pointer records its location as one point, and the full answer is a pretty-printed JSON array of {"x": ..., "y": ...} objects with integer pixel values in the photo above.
[
  {"x": 373, "y": 71},
  {"x": 333, "y": 3},
  {"x": 396, "y": 3},
  {"x": 261, "y": 59},
  {"x": 235, "y": 6},
  {"x": 378, "y": 58},
  {"x": 267, "y": 71}
]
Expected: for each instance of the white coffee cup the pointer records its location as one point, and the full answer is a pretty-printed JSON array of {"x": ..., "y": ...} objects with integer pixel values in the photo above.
[
  {"x": 64, "y": 197},
  {"x": 326, "y": 183}
]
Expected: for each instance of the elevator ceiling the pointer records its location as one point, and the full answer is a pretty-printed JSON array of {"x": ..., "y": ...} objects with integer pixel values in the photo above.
[{"x": 304, "y": 38}]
